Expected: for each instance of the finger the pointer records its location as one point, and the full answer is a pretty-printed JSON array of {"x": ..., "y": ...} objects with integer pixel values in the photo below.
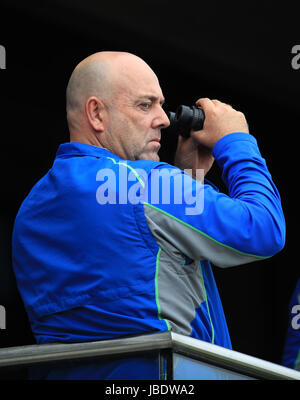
[
  {"x": 205, "y": 103},
  {"x": 220, "y": 103},
  {"x": 215, "y": 101}
]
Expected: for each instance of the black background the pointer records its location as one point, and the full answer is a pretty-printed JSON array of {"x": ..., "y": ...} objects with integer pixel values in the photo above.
[{"x": 236, "y": 52}]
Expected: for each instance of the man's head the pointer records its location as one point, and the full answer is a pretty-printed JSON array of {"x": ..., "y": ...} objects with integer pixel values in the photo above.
[{"x": 114, "y": 100}]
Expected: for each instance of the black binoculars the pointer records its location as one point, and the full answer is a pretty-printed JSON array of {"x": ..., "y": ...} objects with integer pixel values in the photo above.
[{"x": 185, "y": 119}]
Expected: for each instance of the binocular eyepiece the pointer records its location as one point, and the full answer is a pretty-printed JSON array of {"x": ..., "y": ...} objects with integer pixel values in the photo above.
[{"x": 185, "y": 119}]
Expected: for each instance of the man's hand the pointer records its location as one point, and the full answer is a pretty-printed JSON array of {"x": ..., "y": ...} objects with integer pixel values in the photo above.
[
  {"x": 220, "y": 120},
  {"x": 190, "y": 155}
]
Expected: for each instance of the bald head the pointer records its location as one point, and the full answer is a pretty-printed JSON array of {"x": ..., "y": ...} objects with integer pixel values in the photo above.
[
  {"x": 102, "y": 75},
  {"x": 91, "y": 77},
  {"x": 112, "y": 98}
]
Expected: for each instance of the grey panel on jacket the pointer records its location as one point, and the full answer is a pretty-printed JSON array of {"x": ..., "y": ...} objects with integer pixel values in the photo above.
[
  {"x": 171, "y": 234},
  {"x": 180, "y": 290}
]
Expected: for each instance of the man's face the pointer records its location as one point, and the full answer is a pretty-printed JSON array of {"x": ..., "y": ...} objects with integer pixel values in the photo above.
[{"x": 136, "y": 117}]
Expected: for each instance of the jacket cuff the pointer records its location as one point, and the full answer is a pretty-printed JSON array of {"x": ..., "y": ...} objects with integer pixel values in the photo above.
[{"x": 219, "y": 147}]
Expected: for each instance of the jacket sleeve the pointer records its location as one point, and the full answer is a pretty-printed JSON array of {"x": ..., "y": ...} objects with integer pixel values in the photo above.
[{"x": 244, "y": 226}]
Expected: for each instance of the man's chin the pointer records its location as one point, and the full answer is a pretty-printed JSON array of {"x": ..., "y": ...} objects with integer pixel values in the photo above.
[{"x": 150, "y": 156}]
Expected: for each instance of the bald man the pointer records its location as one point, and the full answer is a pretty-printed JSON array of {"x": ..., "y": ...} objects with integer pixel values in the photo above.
[
  {"x": 113, "y": 242},
  {"x": 108, "y": 98}
]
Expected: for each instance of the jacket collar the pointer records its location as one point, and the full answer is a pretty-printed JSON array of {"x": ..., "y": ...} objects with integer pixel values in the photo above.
[{"x": 82, "y": 149}]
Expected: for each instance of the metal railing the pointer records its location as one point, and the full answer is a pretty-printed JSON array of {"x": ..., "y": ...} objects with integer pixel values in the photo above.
[{"x": 195, "y": 349}]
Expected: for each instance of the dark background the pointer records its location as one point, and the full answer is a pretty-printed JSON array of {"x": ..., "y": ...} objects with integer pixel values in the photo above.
[{"x": 238, "y": 53}]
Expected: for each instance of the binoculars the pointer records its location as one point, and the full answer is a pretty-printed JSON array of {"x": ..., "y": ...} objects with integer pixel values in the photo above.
[{"x": 185, "y": 119}]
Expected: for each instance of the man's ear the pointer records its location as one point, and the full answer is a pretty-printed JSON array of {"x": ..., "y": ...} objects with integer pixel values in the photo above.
[{"x": 95, "y": 110}]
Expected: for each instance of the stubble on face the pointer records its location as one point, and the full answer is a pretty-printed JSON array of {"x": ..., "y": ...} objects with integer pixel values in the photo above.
[{"x": 131, "y": 137}]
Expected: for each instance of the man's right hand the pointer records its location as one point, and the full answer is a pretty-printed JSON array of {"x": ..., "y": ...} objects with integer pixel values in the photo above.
[{"x": 220, "y": 120}]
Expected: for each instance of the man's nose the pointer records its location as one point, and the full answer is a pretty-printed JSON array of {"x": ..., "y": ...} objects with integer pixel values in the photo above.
[{"x": 162, "y": 120}]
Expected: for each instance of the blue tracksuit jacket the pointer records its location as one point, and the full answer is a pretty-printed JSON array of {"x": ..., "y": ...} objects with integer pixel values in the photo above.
[{"x": 105, "y": 248}]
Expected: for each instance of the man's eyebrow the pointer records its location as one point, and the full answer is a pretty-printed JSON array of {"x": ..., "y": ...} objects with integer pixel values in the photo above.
[{"x": 152, "y": 98}]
